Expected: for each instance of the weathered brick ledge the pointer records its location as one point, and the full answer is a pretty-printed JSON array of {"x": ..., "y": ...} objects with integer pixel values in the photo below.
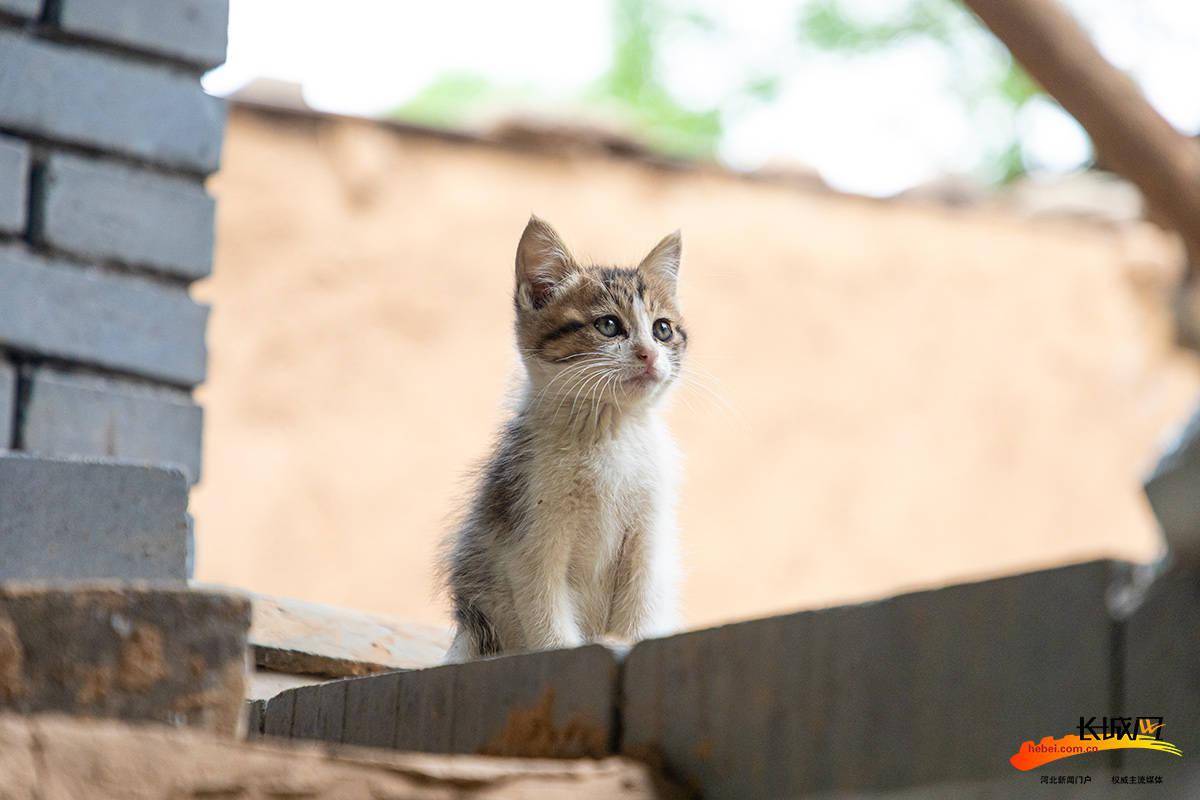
[
  {"x": 935, "y": 688},
  {"x": 59, "y": 757}
]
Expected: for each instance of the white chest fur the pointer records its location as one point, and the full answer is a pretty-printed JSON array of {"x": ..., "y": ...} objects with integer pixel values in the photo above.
[{"x": 604, "y": 510}]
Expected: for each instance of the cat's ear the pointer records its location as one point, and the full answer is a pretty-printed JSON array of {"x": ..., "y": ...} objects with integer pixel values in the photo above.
[
  {"x": 663, "y": 261},
  {"x": 543, "y": 262}
]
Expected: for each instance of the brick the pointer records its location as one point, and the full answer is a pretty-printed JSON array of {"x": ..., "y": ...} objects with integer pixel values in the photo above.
[
  {"x": 189, "y": 30},
  {"x": 277, "y": 719},
  {"x": 320, "y": 714},
  {"x": 130, "y": 652},
  {"x": 117, "y": 321},
  {"x": 98, "y": 100},
  {"x": 1161, "y": 658},
  {"x": 29, "y": 9},
  {"x": 8, "y": 400},
  {"x": 370, "y": 715},
  {"x": 924, "y": 688},
  {"x": 76, "y": 519},
  {"x": 14, "y": 184},
  {"x": 85, "y": 415},
  {"x": 559, "y": 704},
  {"x": 109, "y": 212}
]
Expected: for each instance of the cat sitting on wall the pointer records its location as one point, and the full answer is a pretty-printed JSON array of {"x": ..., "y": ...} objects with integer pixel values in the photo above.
[{"x": 570, "y": 535}]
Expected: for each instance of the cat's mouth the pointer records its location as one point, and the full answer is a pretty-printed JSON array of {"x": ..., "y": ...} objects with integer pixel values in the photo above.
[{"x": 644, "y": 378}]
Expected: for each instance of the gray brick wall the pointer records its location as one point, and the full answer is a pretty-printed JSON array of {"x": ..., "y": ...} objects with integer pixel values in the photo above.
[
  {"x": 71, "y": 94},
  {"x": 106, "y": 139},
  {"x": 14, "y": 184},
  {"x": 189, "y": 30},
  {"x": 27, "y": 9},
  {"x": 72, "y": 312},
  {"x": 8, "y": 402},
  {"x": 110, "y": 212},
  {"x": 68, "y": 414}
]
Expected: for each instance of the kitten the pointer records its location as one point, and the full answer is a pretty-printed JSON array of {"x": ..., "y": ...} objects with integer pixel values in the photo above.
[{"x": 571, "y": 533}]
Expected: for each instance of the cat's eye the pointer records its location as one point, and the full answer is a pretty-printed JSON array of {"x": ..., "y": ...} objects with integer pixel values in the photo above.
[
  {"x": 608, "y": 325},
  {"x": 662, "y": 330}
]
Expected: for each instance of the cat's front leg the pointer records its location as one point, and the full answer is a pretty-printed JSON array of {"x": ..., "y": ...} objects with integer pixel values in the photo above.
[
  {"x": 645, "y": 588},
  {"x": 542, "y": 599}
]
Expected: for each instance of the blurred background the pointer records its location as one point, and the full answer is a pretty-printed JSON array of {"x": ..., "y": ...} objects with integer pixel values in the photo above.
[{"x": 932, "y": 337}]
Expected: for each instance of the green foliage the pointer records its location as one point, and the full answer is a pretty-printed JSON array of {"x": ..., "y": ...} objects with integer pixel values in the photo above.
[
  {"x": 451, "y": 96},
  {"x": 633, "y": 92},
  {"x": 827, "y": 25},
  {"x": 632, "y": 89}
]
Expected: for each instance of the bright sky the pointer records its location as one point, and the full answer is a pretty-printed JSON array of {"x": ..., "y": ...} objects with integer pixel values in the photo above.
[{"x": 872, "y": 124}]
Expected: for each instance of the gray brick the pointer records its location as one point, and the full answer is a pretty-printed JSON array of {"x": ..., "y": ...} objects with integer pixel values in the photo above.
[
  {"x": 319, "y": 714},
  {"x": 924, "y": 688},
  {"x": 190, "y": 30},
  {"x": 370, "y": 715},
  {"x": 116, "y": 321},
  {"x": 76, "y": 519},
  {"x": 8, "y": 399},
  {"x": 109, "y": 212},
  {"x": 277, "y": 720},
  {"x": 1162, "y": 667},
  {"x": 84, "y": 415},
  {"x": 559, "y": 704},
  {"x": 97, "y": 100},
  {"x": 160, "y": 654},
  {"x": 14, "y": 184},
  {"x": 21, "y": 8}
]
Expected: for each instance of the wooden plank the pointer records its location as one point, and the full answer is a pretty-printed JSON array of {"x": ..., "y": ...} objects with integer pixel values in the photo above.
[{"x": 305, "y": 638}]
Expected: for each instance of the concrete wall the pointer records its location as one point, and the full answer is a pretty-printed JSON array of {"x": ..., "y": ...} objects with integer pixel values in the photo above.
[{"x": 106, "y": 140}]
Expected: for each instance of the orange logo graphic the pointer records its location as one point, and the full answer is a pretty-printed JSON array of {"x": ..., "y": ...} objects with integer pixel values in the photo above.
[{"x": 1095, "y": 735}]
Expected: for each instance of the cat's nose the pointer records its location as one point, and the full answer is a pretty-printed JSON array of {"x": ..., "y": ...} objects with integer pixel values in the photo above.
[{"x": 646, "y": 355}]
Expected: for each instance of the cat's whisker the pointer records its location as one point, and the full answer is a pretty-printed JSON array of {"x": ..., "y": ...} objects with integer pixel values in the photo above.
[
  {"x": 567, "y": 391},
  {"x": 695, "y": 382},
  {"x": 573, "y": 368},
  {"x": 578, "y": 386}
]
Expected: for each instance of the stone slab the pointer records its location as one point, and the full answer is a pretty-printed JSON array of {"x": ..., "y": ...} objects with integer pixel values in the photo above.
[
  {"x": 76, "y": 519},
  {"x": 56, "y": 757},
  {"x": 134, "y": 652}
]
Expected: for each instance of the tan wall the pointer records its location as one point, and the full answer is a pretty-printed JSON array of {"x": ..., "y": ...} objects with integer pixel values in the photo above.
[{"x": 914, "y": 396}]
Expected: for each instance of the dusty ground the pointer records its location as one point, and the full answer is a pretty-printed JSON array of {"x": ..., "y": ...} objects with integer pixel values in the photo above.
[{"x": 908, "y": 396}]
